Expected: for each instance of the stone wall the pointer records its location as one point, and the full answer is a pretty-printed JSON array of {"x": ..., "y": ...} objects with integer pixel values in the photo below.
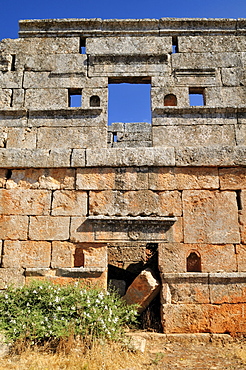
[{"x": 78, "y": 195}]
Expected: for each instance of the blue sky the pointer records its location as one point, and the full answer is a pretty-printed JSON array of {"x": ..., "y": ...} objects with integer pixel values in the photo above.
[{"x": 13, "y": 10}]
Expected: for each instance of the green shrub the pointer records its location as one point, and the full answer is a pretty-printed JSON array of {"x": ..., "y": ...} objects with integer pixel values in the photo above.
[{"x": 43, "y": 311}]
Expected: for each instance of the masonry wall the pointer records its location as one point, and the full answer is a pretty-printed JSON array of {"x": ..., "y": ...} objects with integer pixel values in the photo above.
[{"x": 77, "y": 195}]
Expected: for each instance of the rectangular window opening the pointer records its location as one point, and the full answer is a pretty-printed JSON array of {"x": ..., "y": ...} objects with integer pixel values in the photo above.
[
  {"x": 196, "y": 96},
  {"x": 239, "y": 200},
  {"x": 175, "y": 48},
  {"x": 129, "y": 100},
  {"x": 82, "y": 46},
  {"x": 75, "y": 98},
  {"x": 13, "y": 62},
  {"x": 115, "y": 139}
]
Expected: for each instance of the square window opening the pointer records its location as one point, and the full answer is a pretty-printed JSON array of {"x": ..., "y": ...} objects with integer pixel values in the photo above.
[
  {"x": 75, "y": 98},
  {"x": 129, "y": 100},
  {"x": 196, "y": 97}
]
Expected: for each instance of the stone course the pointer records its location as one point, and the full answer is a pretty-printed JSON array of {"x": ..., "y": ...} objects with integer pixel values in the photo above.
[{"x": 84, "y": 201}]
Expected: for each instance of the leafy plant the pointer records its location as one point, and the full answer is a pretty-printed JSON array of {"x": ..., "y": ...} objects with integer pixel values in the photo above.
[{"x": 43, "y": 311}]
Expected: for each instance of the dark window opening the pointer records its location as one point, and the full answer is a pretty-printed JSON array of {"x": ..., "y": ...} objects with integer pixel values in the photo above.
[
  {"x": 129, "y": 100},
  {"x": 79, "y": 257},
  {"x": 94, "y": 101},
  {"x": 193, "y": 262},
  {"x": 115, "y": 138},
  {"x": 75, "y": 97},
  {"x": 175, "y": 48},
  {"x": 83, "y": 46},
  {"x": 170, "y": 100},
  {"x": 196, "y": 96},
  {"x": 239, "y": 200},
  {"x": 8, "y": 174},
  {"x": 13, "y": 62}
]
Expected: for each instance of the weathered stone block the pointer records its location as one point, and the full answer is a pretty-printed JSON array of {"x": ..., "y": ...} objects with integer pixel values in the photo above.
[
  {"x": 158, "y": 94},
  {"x": 13, "y": 227},
  {"x": 69, "y": 203},
  {"x": 210, "y": 217},
  {"x": 171, "y": 178},
  {"x": 150, "y": 45},
  {"x": 202, "y": 135},
  {"x": 218, "y": 43},
  {"x": 70, "y": 137},
  {"x": 95, "y": 178},
  {"x": 142, "y": 290},
  {"x": 49, "y": 45},
  {"x": 24, "y": 202},
  {"x": 228, "y": 318},
  {"x": 5, "y": 98},
  {"x": 21, "y": 138},
  {"x": 50, "y": 179},
  {"x": 242, "y": 216},
  {"x": 11, "y": 277},
  {"x": 205, "y": 60},
  {"x": 54, "y": 80},
  {"x": 185, "y": 288},
  {"x": 232, "y": 76},
  {"x": 62, "y": 254},
  {"x": 225, "y": 96},
  {"x": 227, "y": 288},
  {"x": 81, "y": 230},
  {"x": 241, "y": 257},
  {"x": 46, "y": 98},
  {"x": 49, "y": 228},
  {"x": 95, "y": 255},
  {"x": 142, "y": 202},
  {"x": 11, "y": 80},
  {"x": 214, "y": 257},
  {"x": 25, "y": 254},
  {"x": 232, "y": 178}
]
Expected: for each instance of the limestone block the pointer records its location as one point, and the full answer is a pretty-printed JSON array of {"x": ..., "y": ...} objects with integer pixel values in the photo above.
[
  {"x": 186, "y": 318},
  {"x": 49, "y": 228},
  {"x": 21, "y": 137},
  {"x": 13, "y": 227},
  {"x": 11, "y": 277},
  {"x": 3, "y": 178},
  {"x": 102, "y": 93},
  {"x": 171, "y": 178},
  {"x": 210, "y": 217},
  {"x": 197, "y": 77},
  {"x": 5, "y": 62},
  {"x": 211, "y": 156},
  {"x": 59, "y": 63},
  {"x": 46, "y": 98},
  {"x": 158, "y": 94},
  {"x": 62, "y": 254},
  {"x": 142, "y": 290},
  {"x": 232, "y": 178},
  {"x": 228, "y": 318},
  {"x": 227, "y": 288},
  {"x": 81, "y": 230},
  {"x": 127, "y": 253},
  {"x": 26, "y": 254},
  {"x": 205, "y": 60},
  {"x": 185, "y": 288},
  {"x": 214, "y": 257},
  {"x": 241, "y": 257},
  {"x": 129, "y": 157},
  {"x": 49, "y": 45},
  {"x": 95, "y": 178},
  {"x": 225, "y": 96},
  {"x": 131, "y": 178},
  {"x": 37, "y": 158},
  {"x": 50, "y": 179},
  {"x": 3, "y": 137},
  {"x": 24, "y": 202},
  {"x": 193, "y": 135},
  {"x": 242, "y": 216},
  {"x": 69, "y": 203},
  {"x": 5, "y": 98},
  {"x": 218, "y": 44},
  {"x": 95, "y": 256},
  {"x": 132, "y": 45},
  {"x": 142, "y": 202},
  {"x": 48, "y": 80},
  {"x": 240, "y": 130},
  {"x": 78, "y": 158},
  {"x": 232, "y": 76},
  {"x": 11, "y": 80},
  {"x": 18, "y": 98},
  {"x": 71, "y": 137},
  {"x": 13, "y": 118}
]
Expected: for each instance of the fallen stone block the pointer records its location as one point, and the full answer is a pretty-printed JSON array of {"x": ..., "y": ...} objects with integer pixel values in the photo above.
[{"x": 143, "y": 290}]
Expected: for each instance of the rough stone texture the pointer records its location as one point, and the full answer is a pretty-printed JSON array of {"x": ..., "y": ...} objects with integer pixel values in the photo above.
[
  {"x": 142, "y": 290},
  {"x": 210, "y": 217},
  {"x": 17, "y": 254},
  {"x": 69, "y": 203},
  {"x": 214, "y": 258},
  {"x": 49, "y": 228},
  {"x": 76, "y": 194}
]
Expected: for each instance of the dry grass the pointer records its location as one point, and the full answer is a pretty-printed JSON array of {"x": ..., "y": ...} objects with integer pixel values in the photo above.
[{"x": 79, "y": 356}]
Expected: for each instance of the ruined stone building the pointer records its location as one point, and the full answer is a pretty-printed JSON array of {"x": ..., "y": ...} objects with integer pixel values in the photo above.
[{"x": 83, "y": 200}]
